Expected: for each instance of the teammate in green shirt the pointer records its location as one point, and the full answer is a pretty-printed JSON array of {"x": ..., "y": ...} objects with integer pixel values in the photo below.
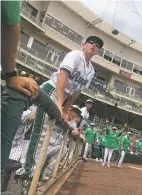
[
  {"x": 138, "y": 144},
  {"x": 125, "y": 142},
  {"x": 90, "y": 136},
  {"x": 101, "y": 139},
  {"x": 111, "y": 142}
]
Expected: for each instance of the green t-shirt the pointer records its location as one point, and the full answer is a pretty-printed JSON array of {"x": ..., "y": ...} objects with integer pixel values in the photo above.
[
  {"x": 10, "y": 12},
  {"x": 102, "y": 140},
  {"x": 112, "y": 139},
  {"x": 126, "y": 143},
  {"x": 138, "y": 145},
  {"x": 90, "y": 135}
]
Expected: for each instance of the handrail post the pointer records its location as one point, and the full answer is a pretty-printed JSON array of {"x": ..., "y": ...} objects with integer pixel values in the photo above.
[{"x": 42, "y": 155}]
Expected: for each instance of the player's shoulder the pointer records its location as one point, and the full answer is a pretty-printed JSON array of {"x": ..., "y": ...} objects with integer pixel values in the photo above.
[
  {"x": 83, "y": 109},
  {"x": 75, "y": 53}
]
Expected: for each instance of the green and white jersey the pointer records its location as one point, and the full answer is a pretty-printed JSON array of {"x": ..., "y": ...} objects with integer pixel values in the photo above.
[
  {"x": 102, "y": 140},
  {"x": 80, "y": 76},
  {"x": 138, "y": 144},
  {"x": 126, "y": 142},
  {"x": 90, "y": 135},
  {"x": 112, "y": 139}
]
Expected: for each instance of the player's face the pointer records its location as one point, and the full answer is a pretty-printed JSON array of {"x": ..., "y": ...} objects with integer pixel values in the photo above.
[
  {"x": 88, "y": 106},
  {"x": 77, "y": 119},
  {"x": 113, "y": 130},
  {"x": 90, "y": 49},
  {"x": 92, "y": 127}
]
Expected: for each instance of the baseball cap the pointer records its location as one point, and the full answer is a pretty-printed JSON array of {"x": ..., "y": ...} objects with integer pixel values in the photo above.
[
  {"x": 92, "y": 124},
  {"x": 89, "y": 101},
  {"x": 114, "y": 128},
  {"x": 76, "y": 109},
  {"x": 95, "y": 40},
  {"x": 129, "y": 133}
]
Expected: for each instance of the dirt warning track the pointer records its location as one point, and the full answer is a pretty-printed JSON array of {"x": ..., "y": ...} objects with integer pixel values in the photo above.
[{"x": 91, "y": 178}]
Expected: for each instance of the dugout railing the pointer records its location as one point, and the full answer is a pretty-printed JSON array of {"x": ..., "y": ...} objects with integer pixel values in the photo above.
[{"x": 29, "y": 180}]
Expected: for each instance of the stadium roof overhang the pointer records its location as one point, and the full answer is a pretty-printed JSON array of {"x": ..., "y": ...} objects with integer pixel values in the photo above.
[{"x": 92, "y": 19}]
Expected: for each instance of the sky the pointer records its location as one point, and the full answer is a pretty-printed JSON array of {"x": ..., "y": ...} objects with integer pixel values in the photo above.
[{"x": 125, "y": 16}]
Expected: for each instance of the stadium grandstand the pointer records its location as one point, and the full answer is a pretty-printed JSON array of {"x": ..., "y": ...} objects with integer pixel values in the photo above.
[{"x": 48, "y": 35}]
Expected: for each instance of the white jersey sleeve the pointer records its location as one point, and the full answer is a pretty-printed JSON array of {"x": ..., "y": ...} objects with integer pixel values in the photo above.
[
  {"x": 83, "y": 111},
  {"x": 70, "y": 61}
]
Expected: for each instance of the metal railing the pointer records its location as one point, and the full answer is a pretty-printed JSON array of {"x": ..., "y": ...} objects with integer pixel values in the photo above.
[
  {"x": 51, "y": 57},
  {"x": 122, "y": 103},
  {"x": 114, "y": 91},
  {"x": 32, "y": 18},
  {"x": 51, "y": 162}
]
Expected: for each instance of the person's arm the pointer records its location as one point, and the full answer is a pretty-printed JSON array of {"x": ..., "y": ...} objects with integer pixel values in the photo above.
[
  {"x": 10, "y": 34},
  {"x": 10, "y": 20},
  {"x": 60, "y": 87},
  {"x": 70, "y": 101},
  {"x": 10, "y": 38},
  {"x": 66, "y": 68}
]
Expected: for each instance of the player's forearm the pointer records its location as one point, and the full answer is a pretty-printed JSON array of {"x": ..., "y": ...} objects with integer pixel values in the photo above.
[
  {"x": 60, "y": 88},
  {"x": 69, "y": 102},
  {"x": 10, "y": 38}
]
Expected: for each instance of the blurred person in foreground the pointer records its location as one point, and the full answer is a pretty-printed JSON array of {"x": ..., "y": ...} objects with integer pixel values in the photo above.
[{"x": 19, "y": 90}]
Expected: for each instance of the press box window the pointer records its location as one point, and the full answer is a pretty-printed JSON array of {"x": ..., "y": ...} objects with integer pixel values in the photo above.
[
  {"x": 124, "y": 63},
  {"x": 40, "y": 47},
  {"x": 101, "y": 52},
  {"x": 116, "y": 60},
  {"x": 30, "y": 9},
  {"x": 108, "y": 55},
  {"x": 120, "y": 86},
  {"x": 130, "y": 66},
  {"x": 65, "y": 30},
  {"x": 78, "y": 39},
  {"x": 137, "y": 69},
  {"x": 24, "y": 38},
  {"x": 49, "y": 20},
  {"x": 72, "y": 35},
  {"x": 57, "y": 25}
]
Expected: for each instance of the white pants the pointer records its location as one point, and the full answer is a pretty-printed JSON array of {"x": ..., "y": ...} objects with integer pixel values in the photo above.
[
  {"x": 122, "y": 156},
  {"x": 108, "y": 154},
  {"x": 87, "y": 148}
]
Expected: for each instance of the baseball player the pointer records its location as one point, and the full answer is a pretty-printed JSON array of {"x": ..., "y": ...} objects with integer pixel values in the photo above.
[
  {"x": 85, "y": 112},
  {"x": 125, "y": 142},
  {"x": 74, "y": 74},
  {"x": 90, "y": 136},
  {"x": 111, "y": 142}
]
